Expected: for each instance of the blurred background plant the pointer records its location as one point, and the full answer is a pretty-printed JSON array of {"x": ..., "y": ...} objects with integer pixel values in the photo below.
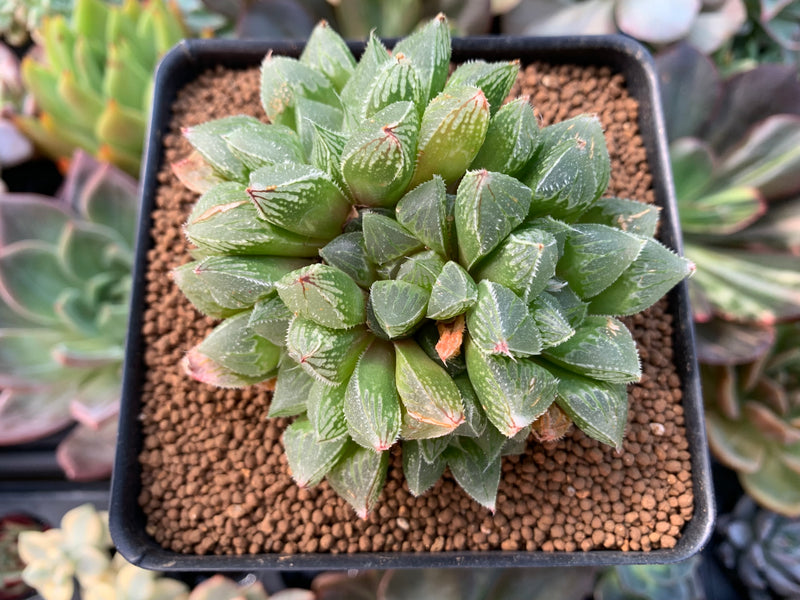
[
  {"x": 18, "y": 18},
  {"x": 65, "y": 275}
]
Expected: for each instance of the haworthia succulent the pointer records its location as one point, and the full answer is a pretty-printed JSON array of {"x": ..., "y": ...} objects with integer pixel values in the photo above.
[
  {"x": 397, "y": 81},
  {"x": 420, "y": 474},
  {"x": 359, "y": 477},
  {"x": 291, "y": 389},
  {"x": 595, "y": 256},
  {"x": 324, "y": 294},
  {"x": 499, "y": 322},
  {"x": 398, "y": 306},
  {"x": 426, "y": 213},
  {"x": 495, "y": 79},
  {"x": 426, "y": 390},
  {"x": 270, "y": 319},
  {"x": 208, "y": 139},
  {"x": 569, "y": 304},
  {"x": 310, "y": 459},
  {"x": 474, "y": 424},
  {"x": 512, "y": 392},
  {"x": 313, "y": 116},
  {"x": 489, "y": 206},
  {"x": 301, "y": 198},
  {"x": 371, "y": 403},
  {"x": 452, "y": 294},
  {"x": 283, "y": 80},
  {"x": 378, "y": 159},
  {"x": 511, "y": 140},
  {"x": 551, "y": 322},
  {"x": 627, "y": 215},
  {"x": 421, "y": 268},
  {"x": 479, "y": 477},
  {"x": 451, "y": 133},
  {"x": 325, "y": 410},
  {"x": 386, "y": 239},
  {"x": 327, "y": 53},
  {"x": 329, "y": 355},
  {"x": 429, "y": 51},
  {"x": 353, "y": 93},
  {"x": 525, "y": 262},
  {"x": 348, "y": 252},
  {"x": 256, "y": 144},
  {"x": 326, "y": 151},
  {"x": 221, "y": 286},
  {"x": 601, "y": 348}
]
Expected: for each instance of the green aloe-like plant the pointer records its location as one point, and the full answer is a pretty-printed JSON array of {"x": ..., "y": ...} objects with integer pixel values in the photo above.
[
  {"x": 65, "y": 277},
  {"x": 94, "y": 83},
  {"x": 470, "y": 274}
]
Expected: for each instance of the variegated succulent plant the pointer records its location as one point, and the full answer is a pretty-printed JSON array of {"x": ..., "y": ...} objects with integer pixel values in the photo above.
[
  {"x": 94, "y": 82},
  {"x": 64, "y": 284},
  {"x": 470, "y": 273}
]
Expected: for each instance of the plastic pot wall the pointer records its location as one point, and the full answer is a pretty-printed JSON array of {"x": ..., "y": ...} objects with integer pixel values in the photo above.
[{"x": 191, "y": 58}]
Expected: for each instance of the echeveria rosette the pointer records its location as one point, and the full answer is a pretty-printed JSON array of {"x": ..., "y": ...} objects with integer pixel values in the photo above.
[
  {"x": 416, "y": 263},
  {"x": 65, "y": 278}
]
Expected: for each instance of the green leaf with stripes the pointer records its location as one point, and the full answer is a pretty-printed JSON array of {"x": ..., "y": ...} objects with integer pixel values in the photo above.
[
  {"x": 499, "y": 323},
  {"x": 359, "y": 477},
  {"x": 310, "y": 460}
]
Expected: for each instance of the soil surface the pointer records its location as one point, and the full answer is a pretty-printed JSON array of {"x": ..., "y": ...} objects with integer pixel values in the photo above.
[{"x": 215, "y": 479}]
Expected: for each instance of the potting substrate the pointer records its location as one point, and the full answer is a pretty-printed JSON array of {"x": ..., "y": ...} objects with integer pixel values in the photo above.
[{"x": 215, "y": 479}]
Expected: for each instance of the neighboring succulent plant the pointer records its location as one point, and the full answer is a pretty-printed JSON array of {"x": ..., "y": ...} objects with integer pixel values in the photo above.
[
  {"x": 15, "y": 148},
  {"x": 679, "y": 581},
  {"x": 94, "y": 85},
  {"x": 753, "y": 417},
  {"x": 65, "y": 276},
  {"x": 11, "y": 585},
  {"x": 219, "y": 587},
  {"x": 450, "y": 321},
  {"x": 81, "y": 552},
  {"x": 706, "y": 24},
  {"x": 18, "y": 19},
  {"x": 763, "y": 549}
]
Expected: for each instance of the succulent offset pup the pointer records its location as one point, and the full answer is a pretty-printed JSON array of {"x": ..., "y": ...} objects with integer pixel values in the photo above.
[{"x": 416, "y": 262}]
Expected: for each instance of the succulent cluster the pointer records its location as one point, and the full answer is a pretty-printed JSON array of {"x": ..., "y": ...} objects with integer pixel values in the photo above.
[
  {"x": 65, "y": 277},
  {"x": 18, "y": 19},
  {"x": 12, "y": 587},
  {"x": 94, "y": 82},
  {"x": 679, "y": 581},
  {"x": 470, "y": 273},
  {"x": 763, "y": 548}
]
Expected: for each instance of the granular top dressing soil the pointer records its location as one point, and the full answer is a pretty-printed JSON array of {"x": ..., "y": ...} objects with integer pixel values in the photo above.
[{"x": 214, "y": 476}]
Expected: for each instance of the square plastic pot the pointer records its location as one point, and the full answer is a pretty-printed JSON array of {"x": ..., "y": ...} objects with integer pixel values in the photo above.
[{"x": 191, "y": 58}]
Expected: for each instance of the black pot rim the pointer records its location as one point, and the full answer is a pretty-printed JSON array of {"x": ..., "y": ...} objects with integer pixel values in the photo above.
[{"x": 188, "y": 59}]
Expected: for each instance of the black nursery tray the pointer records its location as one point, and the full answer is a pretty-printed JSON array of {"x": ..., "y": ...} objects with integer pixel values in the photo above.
[{"x": 191, "y": 58}]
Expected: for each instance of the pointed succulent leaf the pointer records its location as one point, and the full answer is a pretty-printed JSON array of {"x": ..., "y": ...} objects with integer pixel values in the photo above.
[
  {"x": 220, "y": 286},
  {"x": 598, "y": 408},
  {"x": 371, "y": 403},
  {"x": 433, "y": 448},
  {"x": 398, "y": 306},
  {"x": 427, "y": 392},
  {"x": 386, "y": 239},
  {"x": 595, "y": 256},
  {"x": 421, "y": 269},
  {"x": 476, "y": 473},
  {"x": 397, "y": 81},
  {"x": 257, "y": 144},
  {"x": 310, "y": 460},
  {"x": 195, "y": 173},
  {"x": 524, "y": 262},
  {"x": 552, "y": 324},
  {"x": 348, "y": 252},
  {"x": 495, "y": 79},
  {"x": 300, "y": 198},
  {"x": 452, "y": 132},
  {"x": 569, "y": 305},
  {"x": 654, "y": 272},
  {"x": 378, "y": 159},
  {"x": 270, "y": 319},
  {"x": 225, "y": 221},
  {"x": 429, "y": 51},
  {"x": 513, "y": 393},
  {"x": 207, "y": 138},
  {"x": 292, "y": 389},
  {"x": 234, "y": 345},
  {"x": 325, "y": 408},
  {"x": 31, "y": 277},
  {"x": 311, "y": 116},
  {"x": 601, "y": 348},
  {"x": 722, "y": 213},
  {"x": 420, "y": 474},
  {"x": 283, "y": 80},
  {"x": 25, "y": 356},
  {"x": 327, "y": 53},
  {"x": 453, "y": 293},
  {"x": 359, "y": 477},
  {"x": 488, "y": 207},
  {"x": 424, "y": 212},
  {"x": 628, "y": 215},
  {"x": 329, "y": 355},
  {"x": 30, "y": 217},
  {"x": 353, "y": 93},
  {"x": 511, "y": 140},
  {"x": 499, "y": 323},
  {"x": 693, "y": 164},
  {"x": 572, "y": 170},
  {"x": 204, "y": 369},
  {"x": 323, "y": 294},
  {"x": 475, "y": 422},
  {"x": 373, "y": 324},
  {"x": 110, "y": 198},
  {"x": 326, "y": 152},
  {"x": 558, "y": 229},
  {"x": 82, "y": 249}
]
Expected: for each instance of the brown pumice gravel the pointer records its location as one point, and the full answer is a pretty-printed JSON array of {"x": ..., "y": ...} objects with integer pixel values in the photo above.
[{"x": 214, "y": 477}]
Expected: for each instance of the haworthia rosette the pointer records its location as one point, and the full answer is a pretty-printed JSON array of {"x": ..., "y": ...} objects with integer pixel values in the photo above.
[
  {"x": 325, "y": 410},
  {"x": 499, "y": 322},
  {"x": 329, "y": 355},
  {"x": 359, "y": 477},
  {"x": 310, "y": 459}
]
